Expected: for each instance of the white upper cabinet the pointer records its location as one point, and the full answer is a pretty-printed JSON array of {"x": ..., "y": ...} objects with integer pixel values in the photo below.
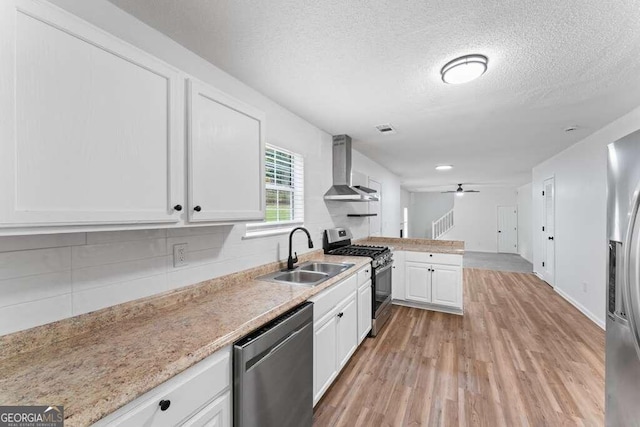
[
  {"x": 226, "y": 157},
  {"x": 95, "y": 134},
  {"x": 92, "y": 127}
]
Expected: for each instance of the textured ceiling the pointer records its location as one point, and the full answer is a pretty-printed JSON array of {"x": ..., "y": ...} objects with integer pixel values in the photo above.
[{"x": 347, "y": 66}]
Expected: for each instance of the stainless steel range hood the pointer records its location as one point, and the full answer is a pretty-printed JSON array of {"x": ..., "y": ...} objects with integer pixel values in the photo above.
[{"x": 342, "y": 190}]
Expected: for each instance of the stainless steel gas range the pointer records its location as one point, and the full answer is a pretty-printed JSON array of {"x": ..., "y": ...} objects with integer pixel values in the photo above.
[{"x": 337, "y": 241}]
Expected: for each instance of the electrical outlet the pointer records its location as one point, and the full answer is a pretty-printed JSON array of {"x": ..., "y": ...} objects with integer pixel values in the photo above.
[
  {"x": 180, "y": 255},
  {"x": 584, "y": 287}
]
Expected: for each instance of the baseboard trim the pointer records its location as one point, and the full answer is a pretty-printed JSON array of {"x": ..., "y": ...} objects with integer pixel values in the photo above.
[
  {"x": 433, "y": 307},
  {"x": 581, "y": 308}
]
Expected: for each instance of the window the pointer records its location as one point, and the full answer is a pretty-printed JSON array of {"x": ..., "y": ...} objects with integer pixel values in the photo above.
[{"x": 284, "y": 181}]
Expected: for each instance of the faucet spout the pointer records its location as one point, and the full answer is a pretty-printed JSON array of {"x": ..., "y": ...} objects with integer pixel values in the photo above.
[{"x": 291, "y": 261}]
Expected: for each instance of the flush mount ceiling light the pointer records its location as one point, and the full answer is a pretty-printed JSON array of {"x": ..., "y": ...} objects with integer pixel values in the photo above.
[
  {"x": 464, "y": 69},
  {"x": 444, "y": 167}
]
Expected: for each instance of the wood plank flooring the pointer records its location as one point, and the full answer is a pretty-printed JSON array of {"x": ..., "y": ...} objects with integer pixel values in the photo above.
[{"x": 520, "y": 356}]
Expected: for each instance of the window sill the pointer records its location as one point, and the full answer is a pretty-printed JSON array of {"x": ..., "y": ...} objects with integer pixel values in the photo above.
[{"x": 257, "y": 233}]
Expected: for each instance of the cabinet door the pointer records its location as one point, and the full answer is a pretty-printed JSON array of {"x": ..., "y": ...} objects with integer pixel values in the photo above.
[
  {"x": 347, "y": 330},
  {"x": 447, "y": 285},
  {"x": 216, "y": 414},
  {"x": 418, "y": 282},
  {"x": 364, "y": 310},
  {"x": 325, "y": 366},
  {"x": 226, "y": 157},
  {"x": 397, "y": 276},
  {"x": 91, "y": 127}
]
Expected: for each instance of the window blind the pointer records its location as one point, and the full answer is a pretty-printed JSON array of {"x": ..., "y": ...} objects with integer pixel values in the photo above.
[{"x": 284, "y": 182}]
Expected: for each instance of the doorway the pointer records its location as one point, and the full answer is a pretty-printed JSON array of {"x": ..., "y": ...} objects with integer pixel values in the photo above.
[
  {"x": 375, "y": 222},
  {"x": 508, "y": 229},
  {"x": 548, "y": 231}
]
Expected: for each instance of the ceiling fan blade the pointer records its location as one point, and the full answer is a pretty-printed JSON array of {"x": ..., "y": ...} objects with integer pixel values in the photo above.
[
  {"x": 471, "y": 191},
  {"x": 450, "y": 191}
]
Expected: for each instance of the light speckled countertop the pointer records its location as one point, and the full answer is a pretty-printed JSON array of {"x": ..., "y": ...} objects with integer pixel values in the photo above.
[
  {"x": 95, "y": 363},
  {"x": 454, "y": 247}
]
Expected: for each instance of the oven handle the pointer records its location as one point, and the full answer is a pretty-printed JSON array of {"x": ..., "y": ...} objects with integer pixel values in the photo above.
[{"x": 385, "y": 268}]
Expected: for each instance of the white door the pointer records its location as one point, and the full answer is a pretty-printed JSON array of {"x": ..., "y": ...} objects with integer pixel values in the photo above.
[
  {"x": 92, "y": 128},
  {"x": 418, "y": 282},
  {"x": 325, "y": 365},
  {"x": 508, "y": 229},
  {"x": 364, "y": 310},
  {"x": 445, "y": 285},
  {"x": 347, "y": 331},
  {"x": 226, "y": 157},
  {"x": 548, "y": 232},
  {"x": 375, "y": 222}
]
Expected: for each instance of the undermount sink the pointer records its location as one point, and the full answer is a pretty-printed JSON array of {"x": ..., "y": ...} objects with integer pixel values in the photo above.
[
  {"x": 325, "y": 267},
  {"x": 310, "y": 273}
]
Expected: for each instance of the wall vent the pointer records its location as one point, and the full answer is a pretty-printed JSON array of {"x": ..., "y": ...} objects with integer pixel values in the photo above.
[{"x": 386, "y": 129}]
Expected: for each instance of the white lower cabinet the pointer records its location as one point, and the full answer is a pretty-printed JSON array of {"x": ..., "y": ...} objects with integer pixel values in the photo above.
[
  {"x": 216, "y": 414},
  {"x": 364, "y": 310},
  {"x": 335, "y": 336},
  {"x": 347, "y": 330},
  {"x": 418, "y": 282},
  {"x": 199, "y": 396},
  {"x": 431, "y": 281},
  {"x": 445, "y": 285},
  {"x": 325, "y": 356}
]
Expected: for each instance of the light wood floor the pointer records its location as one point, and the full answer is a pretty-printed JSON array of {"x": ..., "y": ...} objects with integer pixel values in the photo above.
[{"x": 521, "y": 355}]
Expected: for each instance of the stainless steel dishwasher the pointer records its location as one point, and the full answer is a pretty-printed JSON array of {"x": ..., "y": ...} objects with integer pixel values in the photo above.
[{"x": 273, "y": 373}]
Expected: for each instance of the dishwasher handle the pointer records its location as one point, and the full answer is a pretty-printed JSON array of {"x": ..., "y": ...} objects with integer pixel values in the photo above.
[{"x": 265, "y": 355}]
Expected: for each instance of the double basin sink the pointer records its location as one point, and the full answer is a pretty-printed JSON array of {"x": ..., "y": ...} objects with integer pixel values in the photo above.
[{"x": 309, "y": 273}]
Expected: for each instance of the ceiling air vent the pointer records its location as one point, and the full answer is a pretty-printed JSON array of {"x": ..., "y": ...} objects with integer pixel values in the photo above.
[{"x": 386, "y": 129}]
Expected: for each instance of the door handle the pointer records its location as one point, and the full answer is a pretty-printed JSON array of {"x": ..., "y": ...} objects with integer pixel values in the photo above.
[{"x": 499, "y": 231}]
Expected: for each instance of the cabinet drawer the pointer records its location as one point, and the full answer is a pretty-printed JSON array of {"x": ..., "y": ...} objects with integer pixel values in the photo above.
[
  {"x": 435, "y": 258},
  {"x": 364, "y": 274},
  {"x": 187, "y": 392},
  {"x": 327, "y": 300}
]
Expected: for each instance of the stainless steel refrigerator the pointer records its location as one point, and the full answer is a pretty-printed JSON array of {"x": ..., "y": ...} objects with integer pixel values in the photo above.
[{"x": 622, "y": 406}]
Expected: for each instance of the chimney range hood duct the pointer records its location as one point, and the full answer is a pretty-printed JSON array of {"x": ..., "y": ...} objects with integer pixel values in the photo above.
[{"x": 342, "y": 190}]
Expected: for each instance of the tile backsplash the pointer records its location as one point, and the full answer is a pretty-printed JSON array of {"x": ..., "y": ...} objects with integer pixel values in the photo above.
[{"x": 45, "y": 278}]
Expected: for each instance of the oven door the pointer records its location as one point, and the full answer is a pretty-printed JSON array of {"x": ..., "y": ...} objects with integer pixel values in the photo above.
[{"x": 381, "y": 288}]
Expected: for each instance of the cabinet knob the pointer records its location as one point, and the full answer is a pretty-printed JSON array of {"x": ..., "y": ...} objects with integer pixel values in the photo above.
[
  {"x": 164, "y": 404},
  {"x": 430, "y": 254},
  {"x": 340, "y": 314},
  {"x": 177, "y": 208},
  {"x": 197, "y": 209},
  {"x": 550, "y": 237}
]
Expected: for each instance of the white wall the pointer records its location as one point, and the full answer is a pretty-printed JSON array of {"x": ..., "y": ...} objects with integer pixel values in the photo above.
[
  {"x": 47, "y": 278},
  {"x": 425, "y": 208},
  {"x": 580, "y": 237},
  {"x": 476, "y": 218},
  {"x": 525, "y": 223}
]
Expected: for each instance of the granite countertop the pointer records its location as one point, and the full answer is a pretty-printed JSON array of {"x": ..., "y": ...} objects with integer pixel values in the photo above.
[
  {"x": 454, "y": 247},
  {"x": 95, "y": 363}
]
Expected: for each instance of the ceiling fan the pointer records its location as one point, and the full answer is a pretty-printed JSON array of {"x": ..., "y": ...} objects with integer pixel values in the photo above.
[{"x": 461, "y": 191}]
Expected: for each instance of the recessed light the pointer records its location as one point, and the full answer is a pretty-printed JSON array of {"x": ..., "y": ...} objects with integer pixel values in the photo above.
[
  {"x": 464, "y": 69},
  {"x": 444, "y": 167}
]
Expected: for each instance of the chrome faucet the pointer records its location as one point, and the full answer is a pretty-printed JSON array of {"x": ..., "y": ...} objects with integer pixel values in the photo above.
[{"x": 293, "y": 259}]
